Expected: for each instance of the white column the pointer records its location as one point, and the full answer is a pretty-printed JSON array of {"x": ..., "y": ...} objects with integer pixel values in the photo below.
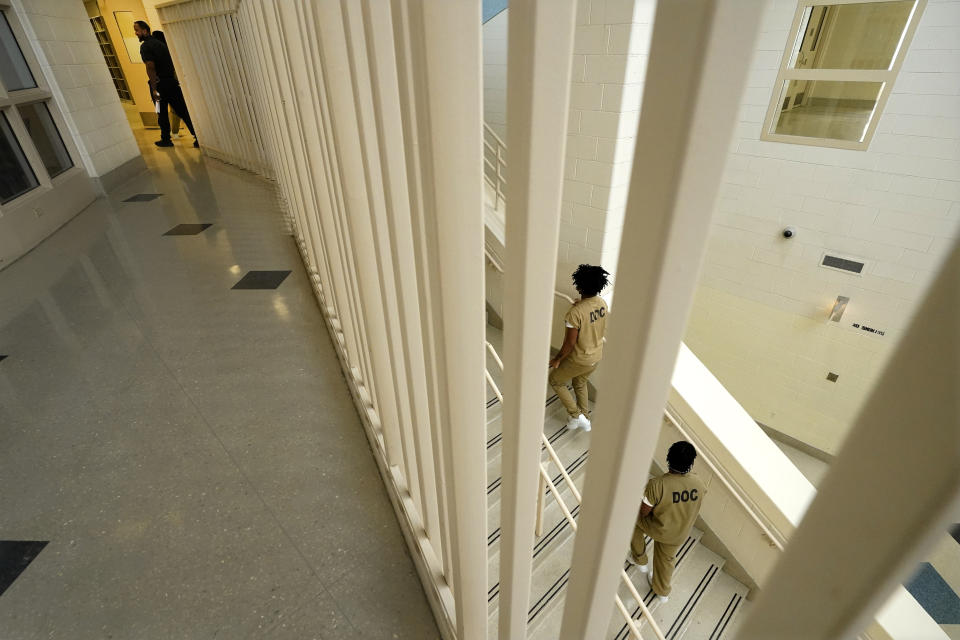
[
  {"x": 406, "y": 49},
  {"x": 538, "y": 88},
  {"x": 447, "y": 84},
  {"x": 392, "y": 356},
  {"x": 342, "y": 111},
  {"x": 319, "y": 208},
  {"x": 889, "y": 494},
  {"x": 386, "y": 93},
  {"x": 698, "y": 63}
]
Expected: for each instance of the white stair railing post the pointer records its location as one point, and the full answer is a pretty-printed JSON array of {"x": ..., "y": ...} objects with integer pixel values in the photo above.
[
  {"x": 699, "y": 58},
  {"x": 889, "y": 493},
  {"x": 538, "y": 89}
]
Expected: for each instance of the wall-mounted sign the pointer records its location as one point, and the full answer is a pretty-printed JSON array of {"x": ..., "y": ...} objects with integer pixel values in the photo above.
[{"x": 863, "y": 327}]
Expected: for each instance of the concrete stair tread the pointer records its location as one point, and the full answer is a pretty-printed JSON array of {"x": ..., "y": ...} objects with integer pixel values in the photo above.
[
  {"x": 696, "y": 568},
  {"x": 555, "y": 525},
  {"x": 553, "y": 428},
  {"x": 720, "y": 612}
]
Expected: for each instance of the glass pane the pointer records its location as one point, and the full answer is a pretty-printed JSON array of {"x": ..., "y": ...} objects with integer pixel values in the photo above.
[
  {"x": 16, "y": 176},
  {"x": 826, "y": 109},
  {"x": 46, "y": 138},
  {"x": 851, "y": 36},
  {"x": 14, "y": 71}
]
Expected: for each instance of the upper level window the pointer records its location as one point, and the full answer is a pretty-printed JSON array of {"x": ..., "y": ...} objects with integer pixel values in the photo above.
[{"x": 837, "y": 71}]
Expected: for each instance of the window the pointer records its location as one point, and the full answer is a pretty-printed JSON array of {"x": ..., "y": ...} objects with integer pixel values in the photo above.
[
  {"x": 32, "y": 151},
  {"x": 16, "y": 176},
  {"x": 14, "y": 71},
  {"x": 38, "y": 123},
  {"x": 837, "y": 71}
]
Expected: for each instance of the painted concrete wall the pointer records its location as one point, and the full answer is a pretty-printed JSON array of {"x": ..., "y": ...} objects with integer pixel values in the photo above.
[
  {"x": 61, "y": 34},
  {"x": 760, "y": 316},
  {"x": 760, "y": 321},
  {"x": 612, "y": 40},
  {"x": 134, "y": 69}
]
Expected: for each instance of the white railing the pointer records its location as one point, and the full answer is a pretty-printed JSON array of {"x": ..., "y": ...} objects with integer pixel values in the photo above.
[
  {"x": 494, "y": 164},
  {"x": 546, "y": 484}
]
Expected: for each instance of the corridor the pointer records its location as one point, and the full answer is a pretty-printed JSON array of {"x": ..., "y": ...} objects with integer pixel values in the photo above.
[{"x": 188, "y": 450}]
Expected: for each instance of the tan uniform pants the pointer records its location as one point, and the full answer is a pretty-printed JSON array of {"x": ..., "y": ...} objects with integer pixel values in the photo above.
[
  {"x": 664, "y": 558},
  {"x": 578, "y": 373}
]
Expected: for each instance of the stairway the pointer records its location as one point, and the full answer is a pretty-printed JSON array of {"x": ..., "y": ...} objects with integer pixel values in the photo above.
[{"x": 705, "y": 603}]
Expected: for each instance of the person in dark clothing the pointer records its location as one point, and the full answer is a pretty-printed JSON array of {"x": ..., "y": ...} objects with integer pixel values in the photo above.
[
  {"x": 164, "y": 85},
  {"x": 174, "y": 118}
]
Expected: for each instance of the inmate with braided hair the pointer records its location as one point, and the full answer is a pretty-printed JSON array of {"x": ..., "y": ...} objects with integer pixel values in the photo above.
[{"x": 586, "y": 323}]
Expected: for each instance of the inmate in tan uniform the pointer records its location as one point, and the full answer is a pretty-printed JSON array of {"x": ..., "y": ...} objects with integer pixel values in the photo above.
[
  {"x": 589, "y": 317},
  {"x": 676, "y": 501}
]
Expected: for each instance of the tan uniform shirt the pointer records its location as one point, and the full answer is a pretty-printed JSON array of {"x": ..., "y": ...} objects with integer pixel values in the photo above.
[
  {"x": 589, "y": 316},
  {"x": 676, "y": 501}
]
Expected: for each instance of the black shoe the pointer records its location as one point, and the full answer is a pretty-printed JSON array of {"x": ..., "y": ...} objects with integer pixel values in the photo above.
[
  {"x": 196, "y": 144},
  {"x": 163, "y": 143}
]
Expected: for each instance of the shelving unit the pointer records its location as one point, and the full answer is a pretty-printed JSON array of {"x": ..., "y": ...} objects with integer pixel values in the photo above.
[{"x": 110, "y": 55}]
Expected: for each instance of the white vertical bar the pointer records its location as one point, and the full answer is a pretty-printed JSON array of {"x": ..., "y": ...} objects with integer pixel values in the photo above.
[
  {"x": 303, "y": 113},
  {"x": 540, "y": 48},
  {"x": 447, "y": 83},
  {"x": 699, "y": 59},
  {"x": 381, "y": 249},
  {"x": 344, "y": 113},
  {"x": 407, "y": 57},
  {"x": 873, "y": 537},
  {"x": 386, "y": 95},
  {"x": 308, "y": 202}
]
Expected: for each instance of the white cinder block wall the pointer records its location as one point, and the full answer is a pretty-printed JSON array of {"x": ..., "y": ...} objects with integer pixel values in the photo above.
[
  {"x": 760, "y": 321},
  {"x": 67, "y": 49},
  {"x": 609, "y": 64},
  {"x": 495, "y": 73}
]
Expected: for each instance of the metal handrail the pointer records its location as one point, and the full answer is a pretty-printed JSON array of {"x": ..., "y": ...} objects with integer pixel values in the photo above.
[
  {"x": 499, "y": 267},
  {"x": 494, "y": 172}
]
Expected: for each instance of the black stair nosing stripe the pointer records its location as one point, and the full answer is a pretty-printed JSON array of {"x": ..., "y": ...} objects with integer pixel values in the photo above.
[
  {"x": 547, "y": 597},
  {"x": 544, "y": 542},
  {"x": 573, "y": 468},
  {"x": 730, "y": 617},
  {"x": 637, "y": 614},
  {"x": 692, "y": 602},
  {"x": 713, "y": 634},
  {"x": 540, "y": 546},
  {"x": 493, "y": 486},
  {"x": 497, "y": 438}
]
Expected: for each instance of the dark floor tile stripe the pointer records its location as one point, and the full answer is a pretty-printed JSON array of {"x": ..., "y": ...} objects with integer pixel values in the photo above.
[{"x": 15, "y": 556}]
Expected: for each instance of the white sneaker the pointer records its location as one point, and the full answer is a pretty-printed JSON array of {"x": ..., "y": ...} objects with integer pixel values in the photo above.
[
  {"x": 662, "y": 599},
  {"x": 643, "y": 567},
  {"x": 584, "y": 422},
  {"x": 573, "y": 423}
]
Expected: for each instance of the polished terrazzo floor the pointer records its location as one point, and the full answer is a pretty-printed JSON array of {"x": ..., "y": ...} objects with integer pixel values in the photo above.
[{"x": 188, "y": 449}]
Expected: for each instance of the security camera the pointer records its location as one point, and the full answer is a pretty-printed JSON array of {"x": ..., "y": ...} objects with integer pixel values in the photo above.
[{"x": 788, "y": 232}]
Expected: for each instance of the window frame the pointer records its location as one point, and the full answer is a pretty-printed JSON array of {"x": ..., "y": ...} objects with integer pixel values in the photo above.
[
  {"x": 886, "y": 77},
  {"x": 10, "y": 101}
]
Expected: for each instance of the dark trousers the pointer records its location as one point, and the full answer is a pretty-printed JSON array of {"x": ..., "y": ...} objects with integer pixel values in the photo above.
[{"x": 170, "y": 94}]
